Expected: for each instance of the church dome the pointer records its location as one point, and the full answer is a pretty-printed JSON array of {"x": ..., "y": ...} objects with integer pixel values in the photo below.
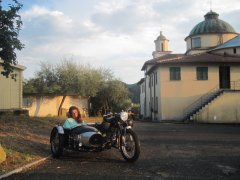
[{"x": 212, "y": 24}]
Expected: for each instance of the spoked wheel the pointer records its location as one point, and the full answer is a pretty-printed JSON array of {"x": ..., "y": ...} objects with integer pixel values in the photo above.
[
  {"x": 130, "y": 146},
  {"x": 56, "y": 142}
]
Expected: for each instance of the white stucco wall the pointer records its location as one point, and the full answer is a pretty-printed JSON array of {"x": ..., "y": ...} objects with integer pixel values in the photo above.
[
  {"x": 11, "y": 90},
  {"x": 209, "y": 40},
  {"x": 176, "y": 96},
  {"x": 42, "y": 106},
  {"x": 158, "y": 94},
  {"x": 142, "y": 97},
  {"x": 224, "y": 109},
  {"x": 228, "y": 51}
]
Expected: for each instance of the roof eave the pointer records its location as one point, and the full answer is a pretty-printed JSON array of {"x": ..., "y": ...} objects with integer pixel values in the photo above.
[
  {"x": 15, "y": 66},
  {"x": 141, "y": 81}
]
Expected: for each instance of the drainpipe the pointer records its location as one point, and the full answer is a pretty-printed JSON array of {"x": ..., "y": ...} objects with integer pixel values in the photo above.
[
  {"x": 145, "y": 98},
  {"x": 154, "y": 94},
  {"x": 150, "y": 97}
]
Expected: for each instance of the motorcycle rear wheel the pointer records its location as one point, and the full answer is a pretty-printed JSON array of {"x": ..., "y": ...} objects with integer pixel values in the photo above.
[
  {"x": 57, "y": 143},
  {"x": 130, "y": 146}
]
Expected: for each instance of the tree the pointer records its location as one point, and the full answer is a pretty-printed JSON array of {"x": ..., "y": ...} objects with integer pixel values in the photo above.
[
  {"x": 80, "y": 79},
  {"x": 113, "y": 96},
  {"x": 29, "y": 86},
  {"x": 45, "y": 81},
  {"x": 93, "y": 79},
  {"x": 10, "y": 25},
  {"x": 69, "y": 77}
]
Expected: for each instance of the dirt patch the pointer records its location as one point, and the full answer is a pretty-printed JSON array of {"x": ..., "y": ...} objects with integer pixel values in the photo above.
[{"x": 26, "y": 139}]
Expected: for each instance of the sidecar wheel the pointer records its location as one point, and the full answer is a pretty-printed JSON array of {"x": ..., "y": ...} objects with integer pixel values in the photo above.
[
  {"x": 130, "y": 146},
  {"x": 57, "y": 143}
]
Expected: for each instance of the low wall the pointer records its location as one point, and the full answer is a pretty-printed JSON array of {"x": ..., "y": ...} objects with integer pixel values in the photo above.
[
  {"x": 7, "y": 112},
  {"x": 42, "y": 106},
  {"x": 224, "y": 109}
]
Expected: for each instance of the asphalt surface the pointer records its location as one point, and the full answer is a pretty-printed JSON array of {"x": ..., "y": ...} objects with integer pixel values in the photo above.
[{"x": 168, "y": 151}]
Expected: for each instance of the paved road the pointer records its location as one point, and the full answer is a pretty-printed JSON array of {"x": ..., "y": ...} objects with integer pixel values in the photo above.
[{"x": 168, "y": 151}]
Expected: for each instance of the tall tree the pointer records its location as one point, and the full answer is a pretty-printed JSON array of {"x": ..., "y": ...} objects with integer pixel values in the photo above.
[
  {"x": 80, "y": 79},
  {"x": 10, "y": 25},
  {"x": 45, "y": 81},
  {"x": 70, "y": 77},
  {"x": 112, "y": 96}
]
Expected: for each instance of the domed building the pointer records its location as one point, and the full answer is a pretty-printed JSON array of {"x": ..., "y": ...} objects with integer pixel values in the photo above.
[
  {"x": 209, "y": 34},
  {"x": 198, "y": 85}
]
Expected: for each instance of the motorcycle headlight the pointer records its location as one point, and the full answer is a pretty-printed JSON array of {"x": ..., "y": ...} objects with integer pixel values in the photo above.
[
  {"x": 130, "y": 122},
  {"x": 124, "y": 116}
]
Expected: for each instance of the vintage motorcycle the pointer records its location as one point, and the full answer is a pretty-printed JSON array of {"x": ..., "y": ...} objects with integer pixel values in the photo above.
[{"x": 114, "y": 131}]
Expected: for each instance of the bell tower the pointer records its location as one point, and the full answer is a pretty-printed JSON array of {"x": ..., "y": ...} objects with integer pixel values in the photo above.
[{"x": 161, "y": 46}]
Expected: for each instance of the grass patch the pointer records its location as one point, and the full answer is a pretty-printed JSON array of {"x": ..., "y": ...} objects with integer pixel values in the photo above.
[{"x": 26, "y": 139}]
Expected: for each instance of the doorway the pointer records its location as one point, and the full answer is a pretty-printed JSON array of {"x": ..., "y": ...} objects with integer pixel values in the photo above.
[{"x": 224, "y": 77}]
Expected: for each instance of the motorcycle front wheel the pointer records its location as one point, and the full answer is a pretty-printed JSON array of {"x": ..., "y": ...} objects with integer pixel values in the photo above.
[{"x": 130, "y": 146}]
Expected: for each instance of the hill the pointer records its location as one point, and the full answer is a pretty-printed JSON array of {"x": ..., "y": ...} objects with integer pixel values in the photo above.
[{"x": 134, "y": 92}]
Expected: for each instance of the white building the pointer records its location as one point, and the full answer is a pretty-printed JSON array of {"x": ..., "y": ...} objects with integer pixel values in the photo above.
[
  {"x": 195, "y": 85},
  {"x": 11, "y": 89}
]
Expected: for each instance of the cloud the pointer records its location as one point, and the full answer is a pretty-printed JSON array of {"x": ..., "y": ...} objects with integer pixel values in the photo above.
[
  {"x": 125, "y": 18},
  {"x": 232, "y": 18},
  {"x": 61, "y": 20},
  {"x": 41, "y": 22},
  {"x": 45, "y": 37},
  {"x": 108, "y": 8},
  {"x": 111, "y": 33},
  {"x": 146, "y": 18}
]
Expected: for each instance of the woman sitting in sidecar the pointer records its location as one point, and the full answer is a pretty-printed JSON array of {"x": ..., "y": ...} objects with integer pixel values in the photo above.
[
  {"x": 75, "y": 134},
  {"x": 74, "y": 118}
]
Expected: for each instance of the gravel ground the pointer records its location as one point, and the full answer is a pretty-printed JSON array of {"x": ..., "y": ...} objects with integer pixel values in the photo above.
[{"x": 168, "y": 151}]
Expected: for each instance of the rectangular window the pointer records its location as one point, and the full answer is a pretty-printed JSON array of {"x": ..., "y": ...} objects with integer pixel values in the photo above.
[
  {"x": 156, "y": 104},
  {"x": 155, "y": 77},
  {"x": 152, "y": 79},
  {"x": 196, "y": 42},
  {"x": 234, "y": 50},
  {"x": 143, "y": 87},
  {"x": 149, "y": 83},
  {"x": 202, "y": 73},
  {"x": 175, "y": 73},
  {"x": 152, "y": 104}
]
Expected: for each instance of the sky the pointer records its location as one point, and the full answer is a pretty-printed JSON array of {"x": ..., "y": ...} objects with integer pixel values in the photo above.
[{"x": 114, "y": 34}]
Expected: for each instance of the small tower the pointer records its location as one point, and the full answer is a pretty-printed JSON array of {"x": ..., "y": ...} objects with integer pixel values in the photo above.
[{"x": 161, "y": 46}]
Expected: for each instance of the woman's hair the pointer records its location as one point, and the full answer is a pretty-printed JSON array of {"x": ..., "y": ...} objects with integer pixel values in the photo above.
[{"x": 70, "y": 112}]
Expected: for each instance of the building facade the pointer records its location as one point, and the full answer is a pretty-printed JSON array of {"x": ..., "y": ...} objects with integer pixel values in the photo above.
[
  {"x": 181, "y": 86},
  {"x": 11, "y": 89}
]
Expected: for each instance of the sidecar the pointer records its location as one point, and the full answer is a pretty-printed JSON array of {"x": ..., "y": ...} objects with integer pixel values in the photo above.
[{"x": 87, "y": 138}]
